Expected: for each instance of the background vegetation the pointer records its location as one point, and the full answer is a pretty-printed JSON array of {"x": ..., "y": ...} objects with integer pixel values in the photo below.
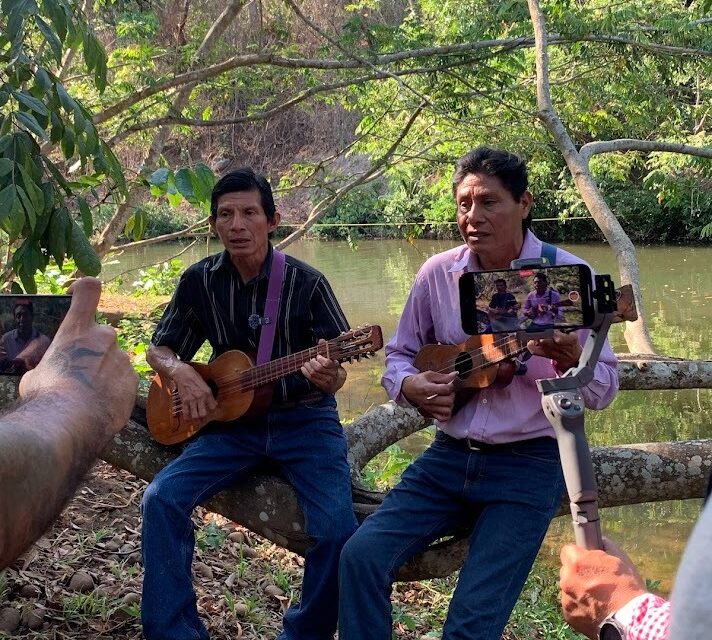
[{"x": 112, "y": 111}]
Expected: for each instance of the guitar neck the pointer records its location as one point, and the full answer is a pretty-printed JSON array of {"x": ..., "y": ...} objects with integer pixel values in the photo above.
[
  {"x": 500, "y": 350},
  {"x": 275, "y": 369}
]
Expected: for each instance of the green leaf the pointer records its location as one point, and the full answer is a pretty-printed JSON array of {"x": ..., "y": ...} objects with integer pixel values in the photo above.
[
  {"x": 64, "y": 98},
  {"x": 42, "y": 79},
  {"x": 29, "y": 122},
  {"x": 14, "y": 221},
  {"x": 159, "y": 177},
  {"x": 7, "y": 198},
  {"x": 67, "y": 143},
  {"x": 32, "y": 190},
  {"x": 59, "y": 229},
  {"x": 203, "y": 183},
  {"x": 5, "y": 142},
  {"x": 52, "y": 40},
  {"x": 84, "y": 255},
  {"x": 184, "y": 183},
  {"x": 56, "y": 14},
  {"x": 31, "y": 102},
  {"x": 30, "y": 212},
  {"x": 6, "y": 166},
  {"x": 87, "y": 222},
  {"x": 139, "y": 224}
]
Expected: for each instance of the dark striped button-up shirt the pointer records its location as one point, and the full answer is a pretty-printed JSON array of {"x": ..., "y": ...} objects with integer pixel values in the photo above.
[{"x": 212, "y": 303}]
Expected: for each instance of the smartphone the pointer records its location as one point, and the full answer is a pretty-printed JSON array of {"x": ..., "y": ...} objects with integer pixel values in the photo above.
[
  {"x": 27, "y": 326},
  {"x": 529, "y": 299}
]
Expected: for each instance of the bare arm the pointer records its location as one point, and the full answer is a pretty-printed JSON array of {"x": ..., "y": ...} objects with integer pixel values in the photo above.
[{"x": 80, "y": 394}]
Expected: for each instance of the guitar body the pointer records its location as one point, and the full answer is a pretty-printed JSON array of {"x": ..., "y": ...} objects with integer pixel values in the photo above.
[
  {"x": 469, "y": 359},
  {"x": 480, "y": 362},
  {"x": 169, "y": 426}
]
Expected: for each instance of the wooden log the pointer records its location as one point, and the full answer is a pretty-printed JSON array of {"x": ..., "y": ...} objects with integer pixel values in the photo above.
[{"x": 265, "y": 504}]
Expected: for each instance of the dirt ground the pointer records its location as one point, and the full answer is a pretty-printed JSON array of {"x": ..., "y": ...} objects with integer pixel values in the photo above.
[{"x": 82, "y": 579}]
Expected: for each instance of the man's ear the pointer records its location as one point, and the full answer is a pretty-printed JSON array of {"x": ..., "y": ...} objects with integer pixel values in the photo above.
[
  {"x": 211, "y": 222},
  {"x": 274, "y": 223},
  {"x": 526, "y": 201}
]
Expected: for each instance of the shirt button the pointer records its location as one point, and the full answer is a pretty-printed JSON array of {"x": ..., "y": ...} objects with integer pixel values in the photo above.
[{"x": 484, "y": 401}]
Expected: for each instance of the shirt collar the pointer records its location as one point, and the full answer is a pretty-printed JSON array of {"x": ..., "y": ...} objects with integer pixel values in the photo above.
[
  {"x": 467, "y": 260},
  {"x": 224, "y": 262}
]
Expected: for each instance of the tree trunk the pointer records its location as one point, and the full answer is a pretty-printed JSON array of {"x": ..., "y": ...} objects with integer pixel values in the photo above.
[
  {"x": 266, "y": 504},
  {"x": 637, "y": 335}
]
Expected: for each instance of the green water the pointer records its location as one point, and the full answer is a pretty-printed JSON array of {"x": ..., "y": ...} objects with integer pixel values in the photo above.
[{"x": 372, "y": 283}]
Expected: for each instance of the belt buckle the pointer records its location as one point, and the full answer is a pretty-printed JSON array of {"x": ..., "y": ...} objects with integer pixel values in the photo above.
[{"x": 471, "y": 446}]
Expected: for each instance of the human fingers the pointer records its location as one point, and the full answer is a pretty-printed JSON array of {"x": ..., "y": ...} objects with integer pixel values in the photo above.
[{"x": 85, "y": 294}]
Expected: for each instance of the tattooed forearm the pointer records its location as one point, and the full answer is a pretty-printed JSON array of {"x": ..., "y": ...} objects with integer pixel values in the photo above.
[
  {"x": 44, "y": 452},
  {"x": 74, "y": 362}
]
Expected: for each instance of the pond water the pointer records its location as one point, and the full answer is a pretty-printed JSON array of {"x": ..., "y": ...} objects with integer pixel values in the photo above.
[{"x": 372, "y": 282}]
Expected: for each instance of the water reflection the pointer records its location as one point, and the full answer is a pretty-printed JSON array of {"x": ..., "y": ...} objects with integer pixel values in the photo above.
[{"x": 372, "y": 283}]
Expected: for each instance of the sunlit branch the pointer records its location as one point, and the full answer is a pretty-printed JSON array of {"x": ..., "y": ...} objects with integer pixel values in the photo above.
[{"x": 271, "y": 59}]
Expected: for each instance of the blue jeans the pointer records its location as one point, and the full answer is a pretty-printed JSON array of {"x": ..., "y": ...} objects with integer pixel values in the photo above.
[
  {"x": 309, "y": 446},
  {"x": 507, "y": 495}
]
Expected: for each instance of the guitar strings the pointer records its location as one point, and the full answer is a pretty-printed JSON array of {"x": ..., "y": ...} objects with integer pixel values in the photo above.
[{"x": 483, "y": 351}]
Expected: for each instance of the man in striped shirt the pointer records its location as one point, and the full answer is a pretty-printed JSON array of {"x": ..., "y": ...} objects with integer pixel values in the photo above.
[{"x": 222, "y": 299}]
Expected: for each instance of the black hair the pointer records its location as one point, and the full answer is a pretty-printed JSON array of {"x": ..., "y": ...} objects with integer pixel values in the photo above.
[
  {"x": 541, "y": 276},
  {"x": 502, "y": 280},
  {"x": 24, "y": 303},
  {"x": 510, "y": 169},
  {"x": 244, "y": 179}
]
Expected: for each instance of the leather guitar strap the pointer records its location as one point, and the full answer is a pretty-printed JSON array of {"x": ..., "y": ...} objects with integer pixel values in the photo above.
[{"x": 271, "y": 313}]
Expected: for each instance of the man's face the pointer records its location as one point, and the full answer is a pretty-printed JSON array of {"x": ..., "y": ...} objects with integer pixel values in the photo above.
[
  {"x": 242, "y": 225},
  {"x": 501, "y": 287},
  {"x": 490, "y": 219},
  {"x": 540, "y": 285},
  {"x": 23, "y": 319}
]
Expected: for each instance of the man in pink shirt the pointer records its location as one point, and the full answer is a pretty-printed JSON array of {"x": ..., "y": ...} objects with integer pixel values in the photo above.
[{"x": 494, "y": 465}]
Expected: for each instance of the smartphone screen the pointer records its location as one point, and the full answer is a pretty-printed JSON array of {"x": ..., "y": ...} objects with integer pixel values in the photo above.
[
  {"x": 529, "y": 299},
  {"x": 27, "y": 326}
]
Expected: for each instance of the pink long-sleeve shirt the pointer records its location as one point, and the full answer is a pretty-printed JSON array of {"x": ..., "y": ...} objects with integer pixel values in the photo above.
[{"x": 432, "y": 315}]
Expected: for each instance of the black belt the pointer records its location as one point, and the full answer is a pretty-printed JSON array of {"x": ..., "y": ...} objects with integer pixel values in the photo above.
[
  {"x": 309, "y": 398},
  {"x": 477, "y": 445}
]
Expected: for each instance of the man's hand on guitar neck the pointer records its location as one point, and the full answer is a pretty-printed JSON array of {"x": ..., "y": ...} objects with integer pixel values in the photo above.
[
  {"x": 432, "y": 392},
  {"x": 326, "y": 374},
  {"x": 195, "y": 395},
  {"x": 564, "y": 349}
]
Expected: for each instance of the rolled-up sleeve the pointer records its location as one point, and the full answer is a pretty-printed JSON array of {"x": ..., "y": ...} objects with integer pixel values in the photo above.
[
  {"x": 179, "y": 329},
  {"x": 414, "y": 330}
]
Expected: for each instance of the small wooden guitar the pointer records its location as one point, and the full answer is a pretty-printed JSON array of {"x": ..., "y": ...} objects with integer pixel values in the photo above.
[
  {"x": 240, "y": 387},
  {"x": 483, "y": 360}
]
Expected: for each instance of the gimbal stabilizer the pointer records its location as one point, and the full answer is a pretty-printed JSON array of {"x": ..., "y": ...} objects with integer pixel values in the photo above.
[{"x": 563, "y": 405}]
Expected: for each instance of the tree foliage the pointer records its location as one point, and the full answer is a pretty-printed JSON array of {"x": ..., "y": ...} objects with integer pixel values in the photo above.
[
  {"x": 44, "y": 210},
  {"x": 316, "y": 94}
]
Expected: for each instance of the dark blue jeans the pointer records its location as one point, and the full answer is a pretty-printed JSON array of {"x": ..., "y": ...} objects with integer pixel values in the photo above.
[
  {"x": 308, "y": 444},
  {"x": 507, "y": 495}
]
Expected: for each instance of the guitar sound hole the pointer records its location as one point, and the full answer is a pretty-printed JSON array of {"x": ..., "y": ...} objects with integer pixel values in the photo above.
[{"x": 463, "y": 365}]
